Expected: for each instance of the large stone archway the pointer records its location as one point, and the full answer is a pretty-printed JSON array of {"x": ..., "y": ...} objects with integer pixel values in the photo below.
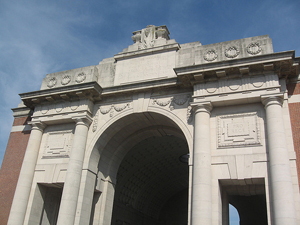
[
  {"x": 105, "y": 140},
  {"x": 139, "y": 166}
]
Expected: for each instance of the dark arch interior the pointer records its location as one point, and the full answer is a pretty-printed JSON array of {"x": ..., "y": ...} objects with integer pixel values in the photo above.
[
  {"x": 151, "y": 182},
  {"x": 249, "y": 199},
  {"x": 139, "y": 155}
]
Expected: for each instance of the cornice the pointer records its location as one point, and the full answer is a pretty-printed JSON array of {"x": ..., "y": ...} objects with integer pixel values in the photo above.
[
  {"x": 283, "y": 64},
  {"x": 91, "y": 90},
  {"x": 21, "y": 112}
]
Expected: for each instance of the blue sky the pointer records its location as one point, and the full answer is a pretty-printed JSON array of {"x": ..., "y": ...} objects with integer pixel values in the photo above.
[{"x": 41, "y": 37}]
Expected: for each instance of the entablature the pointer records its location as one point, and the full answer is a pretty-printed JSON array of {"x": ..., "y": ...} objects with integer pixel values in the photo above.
[
  {"x": 91, "y": 90},
  {"x": 283, "y": 64}
]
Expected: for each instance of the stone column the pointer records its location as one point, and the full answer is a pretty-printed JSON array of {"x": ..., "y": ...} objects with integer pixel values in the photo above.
[
  {"x": 282, "y": 199},
  {"x": 67, "y": 210},
  {"x": 201, "y": 190},
  {"x": 19, "y": 205}
]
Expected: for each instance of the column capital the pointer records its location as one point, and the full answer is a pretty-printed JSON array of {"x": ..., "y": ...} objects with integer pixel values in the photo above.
[
  {"x": 273, "y": 99},
  {"x": 202, "y": 107},
  {"x": 37, "y": 125},
  {"x": 85, "y": 120}
]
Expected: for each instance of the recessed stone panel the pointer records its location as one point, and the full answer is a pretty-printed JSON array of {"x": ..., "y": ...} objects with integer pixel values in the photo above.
[
  {"x": 155, "y": 66},
  {"x": 58, "y": 144},
  {"x": 237, "y": 130}
]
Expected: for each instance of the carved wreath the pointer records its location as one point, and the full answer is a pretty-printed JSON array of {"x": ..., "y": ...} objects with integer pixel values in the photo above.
[
  {"x": 254, "y": 48},
  {"x": 118, "y": 108},
  {"x": 80, "y": 77},
  {"x": 232, "y": 52},
  {"x": 162, "y": 102},
  {"x": 52, "y": 82},
  {"x": 66, "y": 79},
  {"x": 210, "y": 55}
]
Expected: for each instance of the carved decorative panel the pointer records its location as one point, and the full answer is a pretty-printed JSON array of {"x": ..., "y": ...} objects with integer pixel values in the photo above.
[
  {"x": 58, "y": 144},
  {"x": 111, "y": 108},
  {"x": 238, "y": 130},
  {"x": 80, "y": 77},
  {"x": 52, "y": 82},
  {"x": 172, "y": 102},
  {"x": 254, "y": 48},
  {"x": 232, "y": 52},
  {"x": 65, "y": 80},
  {"x": 210, "y": 55}
]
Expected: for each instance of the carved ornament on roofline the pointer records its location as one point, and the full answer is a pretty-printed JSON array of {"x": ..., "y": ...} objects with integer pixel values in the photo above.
[
  {"x": 254, "y": 48},
  {"x": 210, "y": 55},
  {"x": 52, "y": 82},
  {"x": 80, "y": 77},
  {"x": 65, "y": 80},
  {"x": 146, "y": 37},
  {"x": 232, "y": 52}
]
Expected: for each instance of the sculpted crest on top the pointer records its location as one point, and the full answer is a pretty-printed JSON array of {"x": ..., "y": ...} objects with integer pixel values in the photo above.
[{"x": 147, "y": 37}]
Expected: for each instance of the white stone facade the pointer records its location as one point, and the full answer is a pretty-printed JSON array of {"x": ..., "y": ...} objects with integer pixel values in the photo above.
[{"x": 106, "y": 139}]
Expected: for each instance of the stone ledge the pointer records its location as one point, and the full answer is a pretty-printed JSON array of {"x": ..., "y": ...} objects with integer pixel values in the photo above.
[
  {"x": 125, "y": 55},
  {"x": 91, "y": 90},
  {"x": 282, "y": 63}
]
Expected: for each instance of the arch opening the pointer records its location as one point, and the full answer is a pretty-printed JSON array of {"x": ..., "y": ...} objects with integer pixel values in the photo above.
[
  {"x": 249, "y": 200},
  {"x": 152, "y": 183},
  {"x": 140, "y": 157}
]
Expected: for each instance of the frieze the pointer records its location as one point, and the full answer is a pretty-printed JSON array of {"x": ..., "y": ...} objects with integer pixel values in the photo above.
[
  {"x": 74, "y": 105},
  {"x": 234, "y": 84},
  {"x": 211, "y": 87},
  {"x": 60, "y": 107},
  {"x": 237, "y": 130},
  {"x": 227, "y": 86},
  {"x": 258, "y": 81},
  {"x": 44, "y": 109}
]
